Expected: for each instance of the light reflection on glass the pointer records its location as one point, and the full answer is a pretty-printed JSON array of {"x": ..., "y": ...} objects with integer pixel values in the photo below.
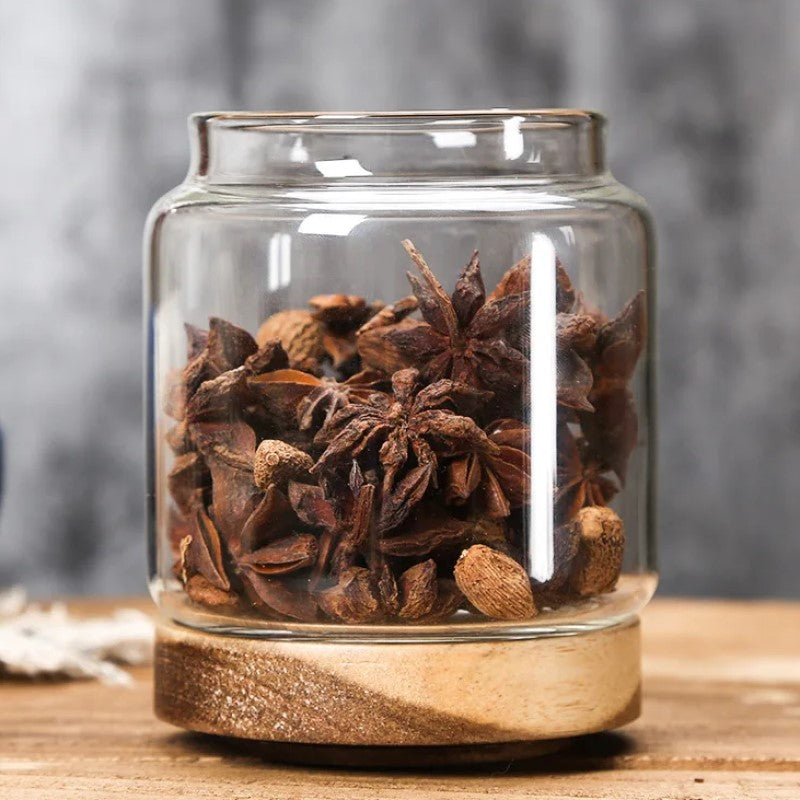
[
  {"x": 279, "y": 269},
  {"x": 330, "y": 224},
  {"x": 543, "y": 412}
]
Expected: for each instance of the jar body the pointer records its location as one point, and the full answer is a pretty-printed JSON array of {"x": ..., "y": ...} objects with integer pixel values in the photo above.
[{"x": 417, "y": 406}]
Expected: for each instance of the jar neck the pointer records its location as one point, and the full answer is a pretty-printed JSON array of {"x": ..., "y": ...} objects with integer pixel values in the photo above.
[{"x": 253, "y": 149}]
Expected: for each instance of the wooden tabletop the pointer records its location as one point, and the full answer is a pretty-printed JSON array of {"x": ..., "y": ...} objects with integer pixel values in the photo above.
[{"x": 721, "y": 720}]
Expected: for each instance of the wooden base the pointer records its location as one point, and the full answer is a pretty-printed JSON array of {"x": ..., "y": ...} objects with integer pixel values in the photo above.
[{"x": 493, "y": 696}]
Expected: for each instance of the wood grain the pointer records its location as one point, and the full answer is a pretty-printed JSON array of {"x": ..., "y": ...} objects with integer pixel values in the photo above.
[
  {"x": 721, "y": 720},
  {"x": 437, "y": 694}
]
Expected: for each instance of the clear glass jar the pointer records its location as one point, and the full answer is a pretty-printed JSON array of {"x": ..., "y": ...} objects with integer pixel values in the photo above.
[{"x": 400, "y": 378}]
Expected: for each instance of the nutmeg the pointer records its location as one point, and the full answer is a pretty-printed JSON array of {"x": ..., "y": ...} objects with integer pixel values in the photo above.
[
  {"x": 279, "y": 462},
  {"x": 494, "y": 583},
  {"x": 300, "y": 334},
  {"x": 601, "y": 544}
]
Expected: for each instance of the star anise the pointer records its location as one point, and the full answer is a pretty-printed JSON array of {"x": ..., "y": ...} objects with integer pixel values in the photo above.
[
  {"x": 430, "y": 530},
  {"x": 612, "y": 430},
  {"x": 499, "y": 478},
  {"x": 222, "y": 348},
  {"x": 581, "y": 479},
  {"x": 346, "y": 524},
  {"x": 202, "y": 563},
  {"x": 462, "y": 335},
  {"x": 228, "y": 448},
  {"x": 322, "y": 402},
  {"x": 341, "y": 316},
  {"x": 409, "y": 430}
]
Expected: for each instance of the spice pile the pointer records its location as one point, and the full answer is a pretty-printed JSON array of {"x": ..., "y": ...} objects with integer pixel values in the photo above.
[{"x": 355, "y": 464}]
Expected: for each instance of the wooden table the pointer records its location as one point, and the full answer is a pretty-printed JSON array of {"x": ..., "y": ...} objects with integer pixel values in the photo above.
[{"x": 721, "y": 720}]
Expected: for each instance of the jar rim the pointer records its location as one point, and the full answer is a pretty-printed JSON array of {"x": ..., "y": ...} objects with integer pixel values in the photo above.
[
  {"x": 334, "y": 119},
  {"x": 255, "y": 147}
]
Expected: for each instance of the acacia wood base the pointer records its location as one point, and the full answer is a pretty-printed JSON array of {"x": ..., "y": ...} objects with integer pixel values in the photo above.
[{"x": 489, "y": 698}]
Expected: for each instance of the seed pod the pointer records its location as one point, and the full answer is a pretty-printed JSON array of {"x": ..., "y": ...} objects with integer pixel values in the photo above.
[
  {"x": 494, "y": 583},
  {"x": 354, "y": 599},
  {"x": 299, "y": 333},
  {"x": 598, "y": 562},
  {"x": 282, "y": 556},
  {"x": 278, "y": 462},
  {"x": 203, "y": 592},
  {"x": 418, "y": 589}
]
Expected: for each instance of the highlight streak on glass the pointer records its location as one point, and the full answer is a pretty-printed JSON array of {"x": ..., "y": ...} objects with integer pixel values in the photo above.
[
  {"x": 543, "y": 412},
  {"x": 330, "y": 224},
  {"x": 279, "y": 265}
]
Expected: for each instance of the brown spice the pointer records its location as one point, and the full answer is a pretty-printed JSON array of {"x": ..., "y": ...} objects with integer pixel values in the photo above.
[
  {"x": 299, "y": 333},
  {"x": 601, "y": 544},
  {"x": 278, "y": 462},
  {"x": 335, "y": 466},
  {"x": 495, "y": 584}
]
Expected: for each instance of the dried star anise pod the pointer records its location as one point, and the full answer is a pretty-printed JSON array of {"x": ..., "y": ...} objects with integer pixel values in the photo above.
[
  {"x": 620, "y": 341},
  {"x": 461, "y": 337},
  {"x": 580, "y": 478},
  {"x": 276, "y": 397},
  {"x": 410, "y": 430},
  {"x": 321, "y": 403},
  {"x": 498, "y": 478},
  {"x": 229, "y": 448},
  {"x": 346, "y": 525},
  {"x": 188, "y": 475},
  {"x": 273, "y": 596},
  {"x": 289, "y": 554},
  {"x": 430, "y": 530},
  {"x": 612, "y": 429},
  {"x": 222, "y": 348},
  {"x": 354, "y": 599},
  {"x": 202, "y": 564},
  {"x": 418, "y": 590},
  {"x": 575, "y": 334},
  {"x": 269, "y": 549},
  {"x": 291, "y": 403}
]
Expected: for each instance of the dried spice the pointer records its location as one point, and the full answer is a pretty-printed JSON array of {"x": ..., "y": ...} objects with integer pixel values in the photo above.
[
  {"x": 495, "y": 584},
  {"x": 411, "y": 426},
  {"x": 320, "y": 404},
  {"x": 299, "y": 334},
  {"x": 581, "y": 479},
  {"x": 418, "y": 590},
  {"x": 354, "y": 599},
  {"x": 282, "y": 556},
  {"x": 277, "y": 462},
  {"x": 326, "y": 334},
  {"x": 496, "y": 478},
  {"x": 364, "y": 463},
  {"x": 601, "y": 544},
  {"x": 461, "y": 336}
]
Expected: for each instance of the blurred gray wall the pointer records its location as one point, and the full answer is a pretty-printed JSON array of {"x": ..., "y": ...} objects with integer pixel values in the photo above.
[{"x": 705, "y": 122}]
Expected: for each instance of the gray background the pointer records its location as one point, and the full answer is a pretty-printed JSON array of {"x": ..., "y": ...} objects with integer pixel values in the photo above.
[{"x": 703, "y": 101}]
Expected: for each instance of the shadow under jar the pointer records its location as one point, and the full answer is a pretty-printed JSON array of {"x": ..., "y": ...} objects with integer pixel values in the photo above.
[{"x": 400, "y": 430}]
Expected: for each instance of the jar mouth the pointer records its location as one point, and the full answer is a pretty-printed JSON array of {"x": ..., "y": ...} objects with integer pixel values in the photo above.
[
  {"x": 459, "y": 116},
  {"x": 251, "y": 147}
]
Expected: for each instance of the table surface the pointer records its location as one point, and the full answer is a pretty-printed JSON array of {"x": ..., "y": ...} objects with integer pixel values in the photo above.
[{"x": 721, "y": 719}]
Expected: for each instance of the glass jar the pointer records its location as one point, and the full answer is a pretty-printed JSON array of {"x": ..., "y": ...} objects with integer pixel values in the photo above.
[{"x": 400, "y": 379}]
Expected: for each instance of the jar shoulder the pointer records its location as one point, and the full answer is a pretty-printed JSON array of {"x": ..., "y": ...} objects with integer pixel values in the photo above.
[{"x": 401, "y": 197}]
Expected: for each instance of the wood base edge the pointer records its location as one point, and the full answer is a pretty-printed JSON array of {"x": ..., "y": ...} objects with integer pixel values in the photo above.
[
  {"x": 463, "y": 701},
  {"x": 400, "y": 757}
]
